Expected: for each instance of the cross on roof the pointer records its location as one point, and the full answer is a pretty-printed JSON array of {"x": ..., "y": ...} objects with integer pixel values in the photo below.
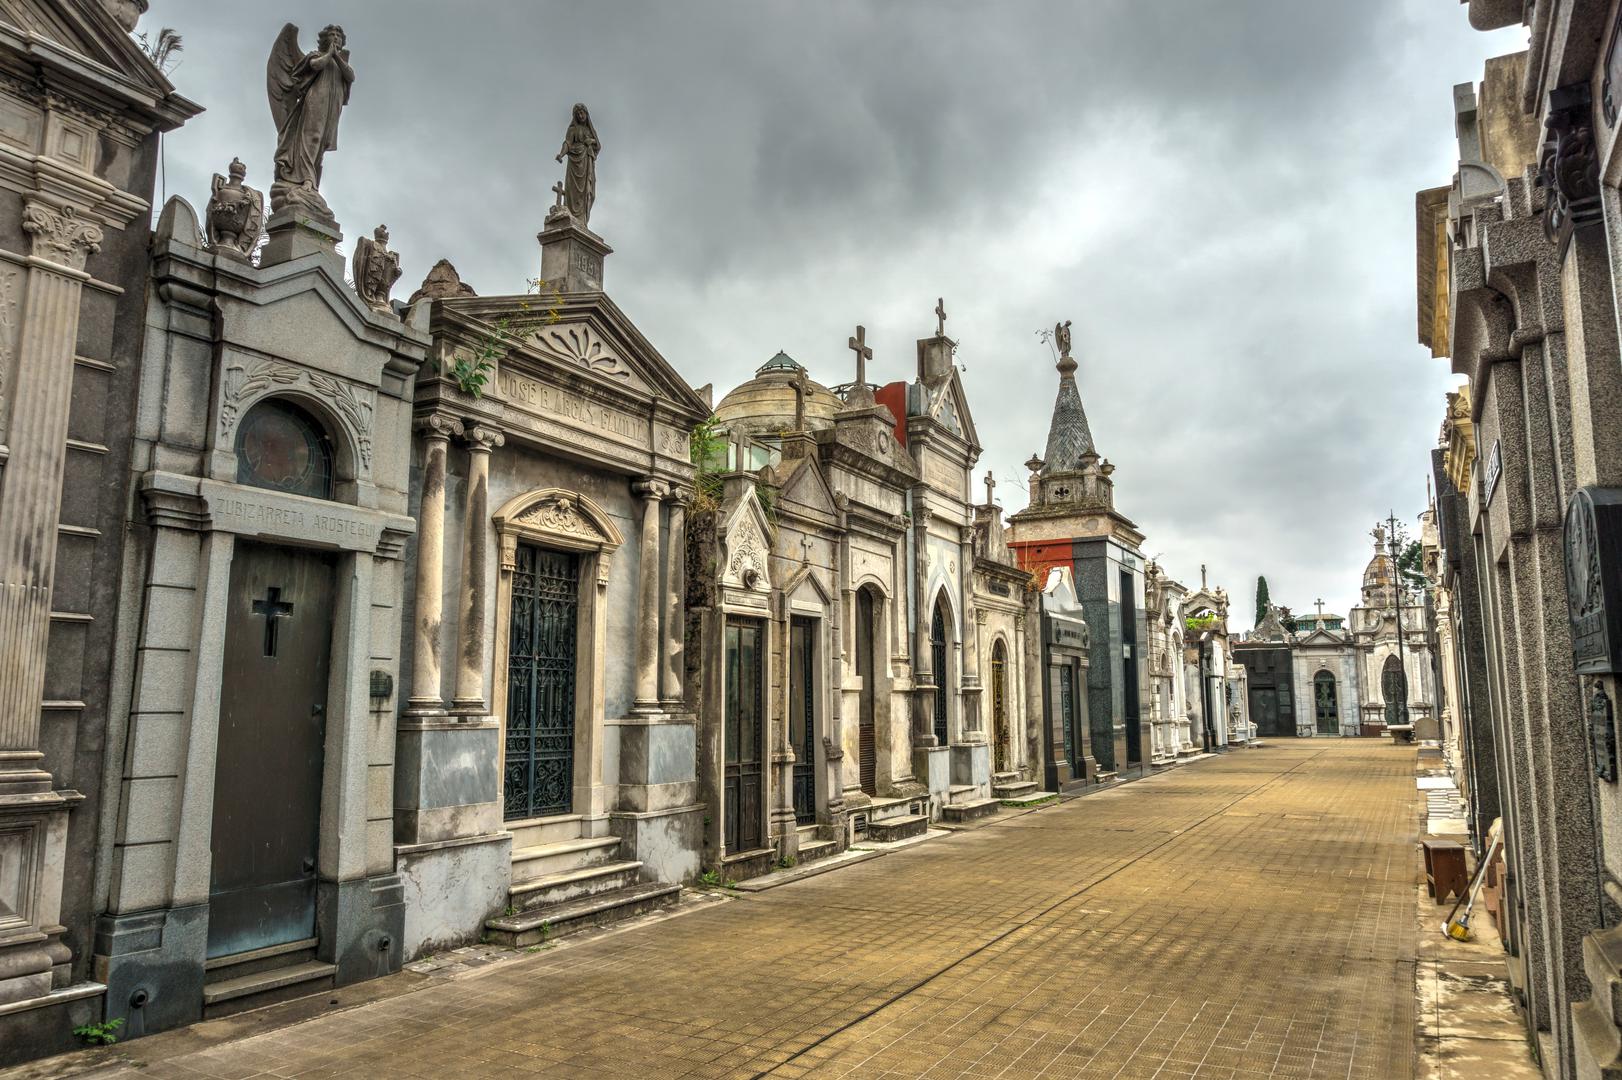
[
  {"x": 1320, "y": 603},
  {"x": 859, "y": 346},
  {"x": 940, "y": 317},
  {"x": 991, "y": 484},
  {"x": 272, "y": 607}
]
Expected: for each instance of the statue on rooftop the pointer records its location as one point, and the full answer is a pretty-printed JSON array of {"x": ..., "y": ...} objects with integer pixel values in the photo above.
[
  {"x": 1061, "y": 338},
  {"x": 308, "y": 92},
  {"x": 375, "y": 269},
  {"x": 580, "y": 146},
  {"x": 236, "y": 214}
]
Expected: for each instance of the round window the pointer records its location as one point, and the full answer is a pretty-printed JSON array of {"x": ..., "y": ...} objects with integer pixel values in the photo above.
[{"x": 281, "y": 447}]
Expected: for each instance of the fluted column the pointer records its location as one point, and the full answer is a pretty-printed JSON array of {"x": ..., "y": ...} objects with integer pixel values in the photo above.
[
  {"x": 31, "y": 493},
  {"x": 471, "y": 629},
  {"x": 436, "y": 431},
  {"x": 675, "y": 588},
  {"x": 647, "y": 598}
]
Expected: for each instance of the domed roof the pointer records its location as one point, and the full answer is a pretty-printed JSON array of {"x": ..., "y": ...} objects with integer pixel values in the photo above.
[
  {"x": 765, "y": 404},
  {"x": 1380, "y": 572}
]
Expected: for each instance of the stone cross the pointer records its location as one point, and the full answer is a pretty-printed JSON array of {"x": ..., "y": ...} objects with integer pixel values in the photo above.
[
  {"x": 272, "y": 607},
  {"x": 557, "y": 189},
  {"x": 991, "y": 484},
  {"x": 805, "y": 550},
  {"x": 1320, "y": 603},
  {"x": 940, "y": 317},
  {"x": 859, "y": 346},
  {"x": 801, "y": 388},
  {"x": 1202, "y": 575}
]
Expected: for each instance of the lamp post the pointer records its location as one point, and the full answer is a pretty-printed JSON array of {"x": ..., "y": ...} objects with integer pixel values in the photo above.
[{"x": 1396, "y": 580}]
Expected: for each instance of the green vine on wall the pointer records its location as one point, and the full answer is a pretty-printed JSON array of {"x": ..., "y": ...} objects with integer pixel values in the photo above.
[{"x": 471, "y": 369}]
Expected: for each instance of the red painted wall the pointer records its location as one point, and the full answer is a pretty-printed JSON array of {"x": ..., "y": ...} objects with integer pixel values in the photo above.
[{"x": 894, "y": 397}]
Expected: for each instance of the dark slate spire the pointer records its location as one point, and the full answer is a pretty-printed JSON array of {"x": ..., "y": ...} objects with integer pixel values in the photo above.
[
  {"x": 1069, "y": 437},
  {"x": 781, "y": 362}
]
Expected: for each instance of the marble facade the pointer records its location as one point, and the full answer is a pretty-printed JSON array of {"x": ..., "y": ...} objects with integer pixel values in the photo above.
[
  {"x": 82, "y": 110},
  {"x": 1517, "y": 288}
]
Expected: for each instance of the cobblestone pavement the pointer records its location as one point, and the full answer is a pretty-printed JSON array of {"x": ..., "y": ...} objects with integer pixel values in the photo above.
[{"x": 1249, "y": 916}]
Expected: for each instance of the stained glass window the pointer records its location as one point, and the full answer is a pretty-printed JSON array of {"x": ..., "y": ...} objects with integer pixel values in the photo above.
[{"x": 281, "y": 447}]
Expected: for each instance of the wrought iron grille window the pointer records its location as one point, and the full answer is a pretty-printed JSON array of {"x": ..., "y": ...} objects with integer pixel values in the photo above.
[
  {"x": 937, "y": 640},
  {"x": 281, "y": 447},
  {"x": 540, "y": 684},
  {"x": 802, "y": 718}
]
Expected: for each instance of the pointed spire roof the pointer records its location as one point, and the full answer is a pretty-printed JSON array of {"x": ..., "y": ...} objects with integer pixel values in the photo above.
[
  {"x": 781, "y": 362},
  {"x": 1069, "y": 437}
]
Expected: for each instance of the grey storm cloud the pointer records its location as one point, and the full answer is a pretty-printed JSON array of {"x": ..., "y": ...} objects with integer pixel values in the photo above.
[{"x": 1219, "y": 195}]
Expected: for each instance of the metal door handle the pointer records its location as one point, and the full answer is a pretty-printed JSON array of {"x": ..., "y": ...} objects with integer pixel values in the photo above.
[{"x": 309, "y": 865}]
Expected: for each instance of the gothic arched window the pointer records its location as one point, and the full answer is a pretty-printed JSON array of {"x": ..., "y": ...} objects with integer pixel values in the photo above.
[{"x": 283, "y": 448}]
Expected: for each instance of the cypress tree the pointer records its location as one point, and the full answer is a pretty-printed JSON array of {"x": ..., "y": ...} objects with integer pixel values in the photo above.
[{"x": 1261, "y": 600}]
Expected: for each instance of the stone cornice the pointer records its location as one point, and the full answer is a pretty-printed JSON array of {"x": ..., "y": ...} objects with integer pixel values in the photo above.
[{"x": 150, "y": 102}]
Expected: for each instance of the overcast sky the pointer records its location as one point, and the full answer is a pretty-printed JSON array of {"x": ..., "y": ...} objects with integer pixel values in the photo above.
[{"x": 1219, "y": 195}]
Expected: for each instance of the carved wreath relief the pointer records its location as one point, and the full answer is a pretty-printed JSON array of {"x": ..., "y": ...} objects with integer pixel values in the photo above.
[{"x": 246, "y": 381}]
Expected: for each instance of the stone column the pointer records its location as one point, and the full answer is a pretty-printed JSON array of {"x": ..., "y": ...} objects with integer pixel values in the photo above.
[
  {"x": 647, "y": 599},
  {"x": 675, "y": 588},
  {"x": 436, "y": 430},
  {"x": 35, "y": 443},
  {"x": 471, "y": 627}
]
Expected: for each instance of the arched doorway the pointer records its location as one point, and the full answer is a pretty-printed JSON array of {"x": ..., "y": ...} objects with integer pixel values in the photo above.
[
  {"x": 937, "y": 645},
  {"x": 1394, "y": 689},
  {"x": 999, "y": 706},
  {"x": 867, "y": 613},
  {"x": 1326, "y": 703}
]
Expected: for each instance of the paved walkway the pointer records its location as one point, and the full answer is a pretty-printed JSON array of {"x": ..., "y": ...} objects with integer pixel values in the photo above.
[{"x": 1250, "y": 916}]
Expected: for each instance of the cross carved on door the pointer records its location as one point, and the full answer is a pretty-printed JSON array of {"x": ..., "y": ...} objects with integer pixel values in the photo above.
[{"x": 272, "y": 607}]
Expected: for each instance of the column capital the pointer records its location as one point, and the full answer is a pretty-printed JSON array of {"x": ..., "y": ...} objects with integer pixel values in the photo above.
[
  {"x": 482, "y": 438},
  {"x": 437, "y": 426},
  {"x": 59, "y": 234},
  {"x": 652, "y": 490}
]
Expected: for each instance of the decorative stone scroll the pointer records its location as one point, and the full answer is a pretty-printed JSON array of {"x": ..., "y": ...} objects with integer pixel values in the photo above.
[
  {"x": 60, "y": 235},
  {"x": 557, "y": 518},
  {"x": 1568, "y": 165}
]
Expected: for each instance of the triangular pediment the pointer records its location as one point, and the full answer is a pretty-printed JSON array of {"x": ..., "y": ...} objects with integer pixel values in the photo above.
[
  {"x": 807, "y": 588},
  {"x": 1320, "y": 637},
  {"x": 746, "y": 543},
  {"x": 949, "y": 407},
  {"x": 84, "y": 28},
  {"x": 585, "y": 332},
  {"x": 807, "y": 487}
]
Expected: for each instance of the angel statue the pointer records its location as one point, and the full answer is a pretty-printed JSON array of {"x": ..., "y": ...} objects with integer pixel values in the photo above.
[
  {"x": 307, "y": 93},
  {"x": 375, "y": 269},
  {"x": 236, "y": 214},
  {"x": 580, "y": 146},
  {"x": 1061, "y": 337}
]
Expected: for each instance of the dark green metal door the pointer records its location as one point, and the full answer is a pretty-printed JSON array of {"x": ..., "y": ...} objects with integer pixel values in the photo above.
[
  {"x": 539, "y": 774},
  {"x": 742, "y": 780}
]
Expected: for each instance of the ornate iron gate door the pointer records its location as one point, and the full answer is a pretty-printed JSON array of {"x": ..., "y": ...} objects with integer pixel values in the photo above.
[
  {"x": 270, "y": 755},
  {"x": 1394, "y": 688},
  {"x": 1067, "y": 715},
  {"x": 866, "y": 737},
  {"x": 539, "y": 773},
  {"x": 1325, "y": 704},
  {"x": 937, "y": 642},
  {"x": 741, "y": 784},
  {"x": 802, "y": 717},
  {"x": 999, "y": 703}
]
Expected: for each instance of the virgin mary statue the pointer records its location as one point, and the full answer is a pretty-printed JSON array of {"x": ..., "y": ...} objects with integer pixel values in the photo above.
[{"x": 580, "y": 146}]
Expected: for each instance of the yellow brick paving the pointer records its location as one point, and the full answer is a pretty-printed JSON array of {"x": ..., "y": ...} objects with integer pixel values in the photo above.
[{"x": 1249, "y": 916}]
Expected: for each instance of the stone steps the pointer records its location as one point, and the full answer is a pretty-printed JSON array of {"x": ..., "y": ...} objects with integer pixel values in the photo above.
[
  {"x": 897, "y": 828},
  {"x": 816, "y": 849},
  {"x": 242, "y": 992},
  {"x": 545, "y": 830},
  {"x": 1028, "y": 798},
  {"x": 1008, "y": 789},
  {"x": 542, "y": 860},
  {"x": 572, "y": 884},
  {"x": 536, "y": 926},
  {"x": 961, "y": 793},
  {"x": 957, "y": 813}
]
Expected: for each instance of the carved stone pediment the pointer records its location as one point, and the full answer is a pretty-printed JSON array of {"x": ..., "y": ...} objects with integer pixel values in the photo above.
[
  {"x": 583, "y": 344},
  {"x": 747, "y": 566},
  {"x": 557, "y": 518}
]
